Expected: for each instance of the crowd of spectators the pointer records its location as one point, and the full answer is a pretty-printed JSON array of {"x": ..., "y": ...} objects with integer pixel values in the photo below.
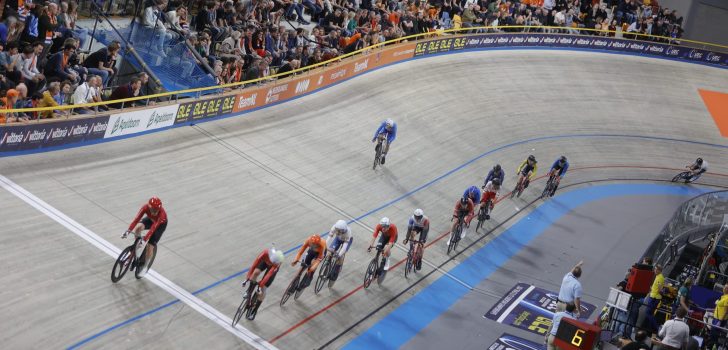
[{"x": 240, "y": 40}]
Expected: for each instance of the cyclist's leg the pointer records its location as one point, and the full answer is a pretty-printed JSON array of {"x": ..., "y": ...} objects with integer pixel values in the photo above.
[
  {"x": 152, "y": 244},
  {"x": 145, "y": 224}
]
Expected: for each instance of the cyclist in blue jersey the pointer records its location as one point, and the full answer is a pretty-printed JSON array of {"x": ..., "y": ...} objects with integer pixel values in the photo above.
[
  {"x": 473, "y": 193},
  {"x": 389, "y": 129},
  {"x": 560, "y": 166},
  {"x": 495, "y": 173}
]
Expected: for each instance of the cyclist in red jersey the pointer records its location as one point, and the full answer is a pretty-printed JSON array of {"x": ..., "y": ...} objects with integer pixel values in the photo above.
[
  {"x": 316, "y": 249},
  {"x": 153, "y": 218},
  {"x": 463, "y": 206},
  {"x": 387, "y": 239},
  {"x": 268, "y": 261}
]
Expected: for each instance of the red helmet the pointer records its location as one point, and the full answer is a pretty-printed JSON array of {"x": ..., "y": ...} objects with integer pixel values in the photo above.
[
  {"x": 314, "y": 239},
  {"x": 155, "y": 203}
]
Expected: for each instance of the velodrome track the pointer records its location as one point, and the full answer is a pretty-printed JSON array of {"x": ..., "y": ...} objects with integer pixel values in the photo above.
[{"x": 234, "y": 186}]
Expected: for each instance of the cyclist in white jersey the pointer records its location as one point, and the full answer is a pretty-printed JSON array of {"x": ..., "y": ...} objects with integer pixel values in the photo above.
[{"x": 339, "y": 242}]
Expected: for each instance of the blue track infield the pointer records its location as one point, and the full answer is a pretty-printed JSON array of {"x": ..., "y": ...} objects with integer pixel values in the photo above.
[{"x": 402, "y": 324}]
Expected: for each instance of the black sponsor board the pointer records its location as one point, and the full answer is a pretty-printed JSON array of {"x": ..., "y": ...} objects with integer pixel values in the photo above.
[
  {"x": 439, "y": 45},
  {"x": 58, "y": 133},
  {"x": 204, "y": 109}
]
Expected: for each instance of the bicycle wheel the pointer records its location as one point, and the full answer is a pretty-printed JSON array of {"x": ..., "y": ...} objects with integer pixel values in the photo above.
[
  {"x": 371, "y": 271},
  {"x": 251, "y": 307},
  {"x": 481, "y": 217},
  {"x": 142, "y": 267},
  {"x": 680, "y": 176},
  {"x": 322, "y": 275},
  {"x": 377, "y": 155},
  {"x": 305, "y": 280},
  {"x": 334, "y": 272},
  {"x": 454, "y": 236},
  {"x": 381, "y": 271},
  {"x": 418, "y": 257},
  {"x": 458, "y": 236},
  {"x": 546, "y": 190},
  {"x": 121, "y": 266},
  {"x": 408, "y": 264},
  {"x": 290, "y": 289},
  {"x": 240, "y": 312}
]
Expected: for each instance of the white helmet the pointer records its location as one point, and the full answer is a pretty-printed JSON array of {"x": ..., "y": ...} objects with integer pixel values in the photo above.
[
  {"x": 419, "y": 212},
  {"x": 341, "y": 226},
  {"x": 276, "y": 256},
  {"x": 389, "y": 122},
  {"x": 384, "y": 222}
]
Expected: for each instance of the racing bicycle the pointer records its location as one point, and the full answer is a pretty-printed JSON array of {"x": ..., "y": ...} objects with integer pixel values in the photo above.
[
  {"x": 520, "y": 186},
  {"x": 329, "y": 271},
  {"x": 550, "y": 188},
  {"x": 484, "y": 213},
  {"x": 414, "y": 257},
  {"x": 455, "y": 235},
  {"x": 132, "y": 257},
  {"x": 375, "y": 270},
  {"x": 381, "y": 144},
  {"x": 686, "y": 176},
  {"x": 298, "y": 284},
  {"x": 247, "y": 306}
]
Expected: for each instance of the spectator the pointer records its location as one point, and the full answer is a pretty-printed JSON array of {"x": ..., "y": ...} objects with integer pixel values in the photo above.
[
  {"x": 155, "y": 28},
  {"x": 8, "y": 102},
  {"x": 29, "y": 69},
  {"x": 102, "y": 62},
  {"x": 675, "y": 333},
  {"x": 67, "y": 22},
  {"x": 64, "y": 97},
  {"x": 85, "y": 93},
  {"x": 9, "y": 62},
  {"x": 48, "y": 99},
  {"x": 654, "y": 298},
  {"x": 30, "y": 31},
  {"x": 570, "y": 291},
  {"x": 683, "y": 295},
  {"x": 58, "y": 66},
  {"x": 639, "y": 342},
  {"x": 289, "y": 66},
  {"x": 177, "y": 20},
  {"x": 720, "y": 319},
  {"x": 568, "y": 312},
  {"x": 48, "y": 27},
  {"x": 125, "y": 91}
]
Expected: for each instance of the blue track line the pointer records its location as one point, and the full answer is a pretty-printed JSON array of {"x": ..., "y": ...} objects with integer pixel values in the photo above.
[
  {"x": 406, "y": 321},
  {"x": 417, "y": 189}
]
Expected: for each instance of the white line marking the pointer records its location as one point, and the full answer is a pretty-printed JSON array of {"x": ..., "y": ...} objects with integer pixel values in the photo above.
[
  {"x": 108, "y": 248},
  {"x": 514, "y": 303}
]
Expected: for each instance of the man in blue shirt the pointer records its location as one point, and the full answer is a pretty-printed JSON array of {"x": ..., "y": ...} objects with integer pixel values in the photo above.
[
  {"x": 495, "y": 173},
  {"x": 559, "y": 168},
  {"x": 570, "y": 291},
  {"x": 388, "y": 128},
  {"x": 551, "y": 334}
]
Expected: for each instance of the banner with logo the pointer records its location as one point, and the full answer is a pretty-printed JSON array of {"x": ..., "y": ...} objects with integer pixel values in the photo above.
[
  {"x": 204, "y": 109},
  {"x": 556, "y": 40},
  {"x": 141, "y": 120},
  {"x": 530, "y": 308},
  {"x": 511, "y": 342},
  {"x": 58, "y": 133}
]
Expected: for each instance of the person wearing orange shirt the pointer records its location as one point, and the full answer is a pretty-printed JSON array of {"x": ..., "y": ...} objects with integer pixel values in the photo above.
[
  {"x": 316, "y": 249},
  {"x": 386, "y": 240}
]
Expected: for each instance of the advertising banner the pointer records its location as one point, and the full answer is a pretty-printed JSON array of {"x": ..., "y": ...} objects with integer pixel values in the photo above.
[
  {"x": 204, "y": 109},
  {"x": 530, "y": 308},
  {"x": 557, "y": 40},
  {"x": 141, "y": 120},
  {"x": 511, "y": 342},
  {"x": 34, "y": 136}
]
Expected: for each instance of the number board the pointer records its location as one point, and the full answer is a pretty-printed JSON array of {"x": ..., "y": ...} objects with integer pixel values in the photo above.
[{"x": 576, "y": 335}]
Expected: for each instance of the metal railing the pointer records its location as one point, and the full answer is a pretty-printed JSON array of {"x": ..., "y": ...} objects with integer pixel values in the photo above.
[{"x": 583, "y": 32}]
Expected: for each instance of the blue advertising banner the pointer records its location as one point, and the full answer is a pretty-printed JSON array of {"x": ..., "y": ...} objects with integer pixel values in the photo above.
[
  {"x": 58, "y": 133},
  {"x": 530, "y": 308},
  {"x": 446, "y": 44},
  {"x": 511, "y": 342}
]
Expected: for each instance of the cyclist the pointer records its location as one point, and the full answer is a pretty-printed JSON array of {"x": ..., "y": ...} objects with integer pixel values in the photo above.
[
  {"x": 490, "y": 192},
  {"x": 495, "y": 173},
  {"x": 386, "y": 240},
  {"x": 389, "y": 129},
  {"x": 465, "y": 207},
  {"x": 316, "y": 248},
  {"x": 269, "y": 262},
  {"x": 527, "y": 170},
  {"x": 154, "y": 221},
  {"x": 339, "y": 242},
  {"x": 561, "y": 165},
  {"x": 473, "y": 193},
  {"x": 696, "y": 169},
  {"x": 418, "y": 223}
]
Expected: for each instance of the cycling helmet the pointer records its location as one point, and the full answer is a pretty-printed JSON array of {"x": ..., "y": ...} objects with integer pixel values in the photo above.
[
  {"x": 464, "y": 201},
  {"x": 389, "y": 122},
  {"x": 314, "y": 239},
  {"x": 341, "y": 226},
  {"x": 418, "y": 214},
  {"x": 562, "y": 159},
  {"x": 497, "y": 168},
  {"x": 275, "y": 256},
  {"x": 384, "y": 222},
  {"x": 155, "y": 203},
  {"x": 532, "y": 158},
  {"x": 496, "y": 182},
  {"x": 699, "y": 161}
]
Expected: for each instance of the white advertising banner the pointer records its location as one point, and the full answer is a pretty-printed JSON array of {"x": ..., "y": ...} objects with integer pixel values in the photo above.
[{"x": 141, "y": 120}]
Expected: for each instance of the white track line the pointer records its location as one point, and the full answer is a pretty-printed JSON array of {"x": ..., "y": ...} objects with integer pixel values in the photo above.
[{"x": 108, "y": 248}]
